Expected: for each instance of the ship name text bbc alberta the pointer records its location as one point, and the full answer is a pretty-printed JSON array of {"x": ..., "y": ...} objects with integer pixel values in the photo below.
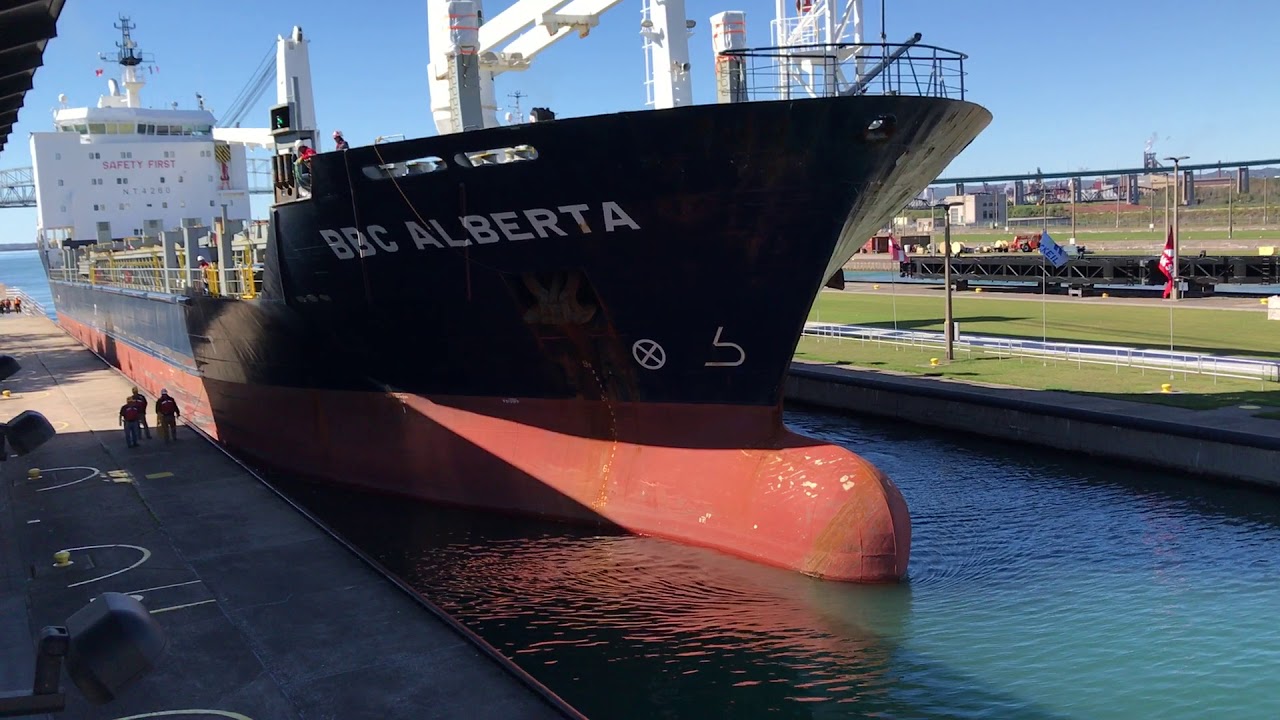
[{"x": 514, "y": 226}]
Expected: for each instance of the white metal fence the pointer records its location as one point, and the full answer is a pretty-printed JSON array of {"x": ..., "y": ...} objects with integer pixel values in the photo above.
[
  {"x": 30, "y": 306},
  {"x": 1139, "y": 358}
]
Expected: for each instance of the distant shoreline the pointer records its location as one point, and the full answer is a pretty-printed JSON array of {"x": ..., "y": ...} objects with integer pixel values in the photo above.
[{"x": 17, "y": 247}]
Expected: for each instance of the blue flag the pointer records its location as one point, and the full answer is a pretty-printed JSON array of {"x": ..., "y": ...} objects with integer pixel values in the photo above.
[{"x": 1052, "y": 251}]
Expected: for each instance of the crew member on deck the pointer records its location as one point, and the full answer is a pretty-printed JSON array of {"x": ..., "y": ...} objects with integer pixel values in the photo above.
[
  {"x": 140, "y": 400},
  {"x": 129, "y": 415},
  {"x": 302, "y": 166},
  {"x": 17, "y": 304},
  {"x": 340, "y": 141},
  {"x": 167, "y": 416}
]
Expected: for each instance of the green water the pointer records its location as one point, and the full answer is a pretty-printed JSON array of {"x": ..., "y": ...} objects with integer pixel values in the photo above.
[{"x": 1040, "y": 586}]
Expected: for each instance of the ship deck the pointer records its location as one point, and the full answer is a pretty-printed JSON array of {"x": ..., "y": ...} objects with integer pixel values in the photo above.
[{"x": 267, "y": 614}]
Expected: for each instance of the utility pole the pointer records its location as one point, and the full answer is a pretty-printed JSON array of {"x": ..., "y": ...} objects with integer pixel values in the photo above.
[
  {"x": 1118, "y": 202},
  {"x": 949, "y": 327},
  {"x": 1231, "y": 193},
  {"x": 1074, "y": 191},
  {"x": 1177, "y": 200}
]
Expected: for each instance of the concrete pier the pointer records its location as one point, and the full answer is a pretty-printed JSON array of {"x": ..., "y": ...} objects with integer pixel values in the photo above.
[
  {"x": 1228, "y": 443},
  {"x": 268, "y": 616}
]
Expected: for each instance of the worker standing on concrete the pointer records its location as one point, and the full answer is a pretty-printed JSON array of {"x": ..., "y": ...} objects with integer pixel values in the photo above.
[
  {"x": 167, "y": 413},
  {"x": 140, "y": 400},
  {"x": 129, "y": 415}
]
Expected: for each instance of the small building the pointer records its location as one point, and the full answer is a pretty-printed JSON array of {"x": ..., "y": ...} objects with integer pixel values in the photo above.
[{"x": 978, "y": 210}]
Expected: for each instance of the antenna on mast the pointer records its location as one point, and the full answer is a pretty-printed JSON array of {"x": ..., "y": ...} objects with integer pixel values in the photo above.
[
  {"x": 128, "y": 57},
  {"x": 516, "y": 112}
]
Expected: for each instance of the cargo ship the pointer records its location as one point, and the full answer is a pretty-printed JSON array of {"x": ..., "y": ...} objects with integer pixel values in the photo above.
[{"x": 588, "y": 318}]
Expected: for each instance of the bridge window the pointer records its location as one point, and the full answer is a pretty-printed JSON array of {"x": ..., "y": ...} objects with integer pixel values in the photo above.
[{"x": 97, "y": 128}]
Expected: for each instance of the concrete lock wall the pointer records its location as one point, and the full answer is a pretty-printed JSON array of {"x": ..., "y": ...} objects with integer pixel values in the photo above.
[{"x": 1187, "y": 448}]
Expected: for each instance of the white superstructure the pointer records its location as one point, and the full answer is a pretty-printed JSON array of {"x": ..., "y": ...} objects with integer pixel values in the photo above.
[{"x": 120, "y": 171}]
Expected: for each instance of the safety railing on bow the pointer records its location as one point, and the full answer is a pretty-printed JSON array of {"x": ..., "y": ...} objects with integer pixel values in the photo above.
[
  {"x": 242, "y": 281},
  {"x": 830, "y": 70}
]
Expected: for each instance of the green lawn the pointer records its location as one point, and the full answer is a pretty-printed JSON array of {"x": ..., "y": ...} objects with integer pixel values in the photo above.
[
  {"x": 1197, "y": 392},
  {"x": 1222, "y": 332}
]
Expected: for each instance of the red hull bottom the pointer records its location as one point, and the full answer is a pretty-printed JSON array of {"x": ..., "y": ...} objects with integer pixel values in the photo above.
[{"x": 732, "y": 478}]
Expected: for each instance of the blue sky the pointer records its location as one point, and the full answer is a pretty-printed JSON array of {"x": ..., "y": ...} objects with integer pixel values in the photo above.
[{"x": 1071, "y": 85}]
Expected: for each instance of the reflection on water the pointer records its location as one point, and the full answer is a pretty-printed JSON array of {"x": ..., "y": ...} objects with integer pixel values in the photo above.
[{"x": 1040, "y": 586}]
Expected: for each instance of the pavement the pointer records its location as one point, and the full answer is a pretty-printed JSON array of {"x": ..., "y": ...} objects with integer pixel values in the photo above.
[{"x": 268, "y": 616}]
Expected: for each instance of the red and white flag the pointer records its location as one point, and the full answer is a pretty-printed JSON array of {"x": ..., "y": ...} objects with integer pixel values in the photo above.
[
  {"x": 896, "y": 252},
  {"x": 98, "y": 72},
  {"x": 1166, "y": 264}
]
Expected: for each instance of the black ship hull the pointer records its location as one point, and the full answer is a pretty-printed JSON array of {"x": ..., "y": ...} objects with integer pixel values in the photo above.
[{"x": 598, "y": 331}]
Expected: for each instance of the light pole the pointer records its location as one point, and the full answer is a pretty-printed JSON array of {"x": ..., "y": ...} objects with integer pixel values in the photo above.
[
  {"x": 948, "y": 326},
  {"x": 1176, "y": 294}
]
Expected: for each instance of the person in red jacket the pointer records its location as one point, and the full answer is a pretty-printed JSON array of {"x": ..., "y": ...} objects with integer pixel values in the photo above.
[
  {"x": 129, "y": 416},
  {"x": 140, "y": 400},
  {"x": 167, "y": 413}
]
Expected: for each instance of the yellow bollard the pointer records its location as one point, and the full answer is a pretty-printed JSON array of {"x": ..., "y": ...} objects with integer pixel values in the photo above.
[
  {"x": 875, "y": 287},
  {"x": 62, "y": 558},
  {"x": 1166, "y": 388},
  {"x": 1106, "y": 295},
  {"x": 33, "y": 474},
  {"x": 5, "y": 393},
  {"x": 977, "y": 290},
  {"x": 1262, "y": 300},
  {"x": 933, "y": 362}
]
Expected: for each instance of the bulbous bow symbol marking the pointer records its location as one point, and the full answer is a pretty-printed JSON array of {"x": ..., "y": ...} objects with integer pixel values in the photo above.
[{"x": 649, "y": 354}]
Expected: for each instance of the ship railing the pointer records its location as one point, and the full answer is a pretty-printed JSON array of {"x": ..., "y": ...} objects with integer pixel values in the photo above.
[
  {"x": 242, "y": 281},
  {"x": 834, "y": 69},
  {"x": 30, "y": 305}
]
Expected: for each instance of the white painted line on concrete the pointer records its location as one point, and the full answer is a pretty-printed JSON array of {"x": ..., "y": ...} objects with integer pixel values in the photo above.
[
  {"x": 172, "y": 713},
  {"x": 180, "y": 607},
  {"x": 93, "y": 472},
  {"x": 145, "y": 554},
  {"x": 164, "y": 587}
]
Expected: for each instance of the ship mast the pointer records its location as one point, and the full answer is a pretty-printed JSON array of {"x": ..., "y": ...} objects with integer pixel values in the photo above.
[
  {"x": 128, "y": 57},
  {"x": 821, "y": 32}
]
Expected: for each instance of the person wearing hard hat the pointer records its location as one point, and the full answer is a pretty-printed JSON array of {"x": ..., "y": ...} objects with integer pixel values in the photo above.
[
  {"x": 129, "y": 414},
  {"x": 140, "y": 400},
  {"x": 167, "y": 416},
  {"x": 339, "y": 141}
]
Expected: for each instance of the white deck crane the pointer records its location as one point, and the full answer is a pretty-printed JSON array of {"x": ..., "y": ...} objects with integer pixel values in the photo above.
[{"x": 468, "y": 50}]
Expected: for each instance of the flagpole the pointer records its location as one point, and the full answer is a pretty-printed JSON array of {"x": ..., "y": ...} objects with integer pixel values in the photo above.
[{"x": 893, "y": 279}]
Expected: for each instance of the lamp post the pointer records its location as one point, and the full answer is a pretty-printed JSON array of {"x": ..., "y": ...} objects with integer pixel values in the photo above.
[
  {"x": 1176, "y": 294},
  {"x": 948, "y": 324}
]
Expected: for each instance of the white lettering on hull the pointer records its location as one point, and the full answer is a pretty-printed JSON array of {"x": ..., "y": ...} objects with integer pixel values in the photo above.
[{"x": 348, "y": 243}]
